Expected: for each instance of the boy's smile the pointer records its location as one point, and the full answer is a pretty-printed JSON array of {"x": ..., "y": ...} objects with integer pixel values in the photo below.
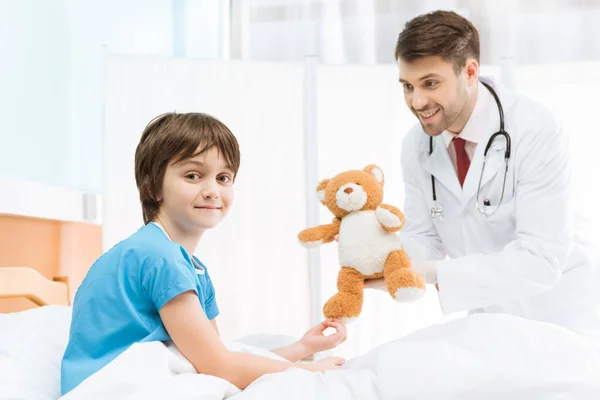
[{"x": 196, "y": 193}]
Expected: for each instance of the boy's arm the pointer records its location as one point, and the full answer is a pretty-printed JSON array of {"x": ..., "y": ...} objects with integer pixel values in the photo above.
[
  {"x": 314, "y": 341},
  {"x": 293, "y": 352},
  {"x": 196, "y": 339},
  {"x": 214, "y": 324}
]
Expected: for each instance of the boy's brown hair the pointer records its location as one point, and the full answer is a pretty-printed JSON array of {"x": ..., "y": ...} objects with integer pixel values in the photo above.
[
  {"x": 440, "y": 33},
  {"x": 172, "y": 138}
]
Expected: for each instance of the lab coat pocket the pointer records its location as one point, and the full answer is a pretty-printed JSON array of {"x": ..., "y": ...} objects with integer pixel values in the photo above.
[
  {"x": 503, "y": 220},
  {"x": 497, "y": 198}
]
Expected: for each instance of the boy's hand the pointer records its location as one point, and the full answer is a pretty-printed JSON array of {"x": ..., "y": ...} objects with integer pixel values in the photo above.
[
  {"x": 315, "y": 341},
  {"x": 326, "y": 364}
]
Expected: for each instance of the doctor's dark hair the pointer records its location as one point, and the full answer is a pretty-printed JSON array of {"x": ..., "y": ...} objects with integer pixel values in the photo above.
[
  {"x": 173, "y": 138},
  {"x": 440, "y": 33}
]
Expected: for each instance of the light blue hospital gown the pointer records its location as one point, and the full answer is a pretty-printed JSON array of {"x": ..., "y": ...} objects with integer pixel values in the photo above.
[{"x": 118, "y": 301}]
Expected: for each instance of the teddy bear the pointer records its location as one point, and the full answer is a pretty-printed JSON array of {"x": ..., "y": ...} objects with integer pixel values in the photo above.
[{"x": 368, "y": 244}]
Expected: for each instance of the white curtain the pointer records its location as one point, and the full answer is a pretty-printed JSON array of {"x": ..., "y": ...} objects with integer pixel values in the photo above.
[{"x": 365, "y": 31}]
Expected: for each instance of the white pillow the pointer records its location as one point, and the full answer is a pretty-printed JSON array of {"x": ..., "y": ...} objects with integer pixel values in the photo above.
[{"x": 32, "y": 344}]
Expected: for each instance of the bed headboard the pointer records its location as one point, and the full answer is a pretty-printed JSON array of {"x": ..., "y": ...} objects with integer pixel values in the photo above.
[
  {"x": 49, "y": 247},
  {"x": 23, "y": 282}
]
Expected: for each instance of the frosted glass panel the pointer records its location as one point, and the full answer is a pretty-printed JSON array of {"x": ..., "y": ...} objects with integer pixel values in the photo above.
[
  {"x": 34, "y": 92},
  {"x": 51, "y": 76},
  {"x": 256, "y": 263}
]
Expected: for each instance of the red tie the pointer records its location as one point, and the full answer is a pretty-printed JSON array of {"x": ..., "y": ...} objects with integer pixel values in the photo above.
[{"x": 462, "y": 159}]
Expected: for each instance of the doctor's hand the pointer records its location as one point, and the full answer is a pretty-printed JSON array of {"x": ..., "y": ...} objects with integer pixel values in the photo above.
[
  {"x": 427, "y": 269},
  {"x": 314, "y": 340}
]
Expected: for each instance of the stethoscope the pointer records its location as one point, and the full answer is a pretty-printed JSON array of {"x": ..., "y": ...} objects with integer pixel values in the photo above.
[{"x": 437, "y": 211}]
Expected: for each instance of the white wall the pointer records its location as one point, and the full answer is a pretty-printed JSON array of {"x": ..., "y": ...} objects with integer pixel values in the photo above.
[{"x": 256, "y": 263}]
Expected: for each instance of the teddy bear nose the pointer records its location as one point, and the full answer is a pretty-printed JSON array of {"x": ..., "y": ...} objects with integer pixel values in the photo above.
[{"x": 348, "y": 190}]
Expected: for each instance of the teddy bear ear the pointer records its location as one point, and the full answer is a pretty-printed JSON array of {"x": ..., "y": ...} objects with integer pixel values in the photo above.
[
  {"x": 321, "y": 190},
  {"x": 376, "y": 172}
]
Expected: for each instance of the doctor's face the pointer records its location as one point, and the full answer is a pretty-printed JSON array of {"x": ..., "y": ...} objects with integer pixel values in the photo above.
[{"x": 435, "y": 94}]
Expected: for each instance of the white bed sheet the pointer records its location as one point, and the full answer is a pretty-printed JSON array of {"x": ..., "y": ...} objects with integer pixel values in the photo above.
[
  {"x": 32, "y": 343},
  {"x": 481, "y": 356}
]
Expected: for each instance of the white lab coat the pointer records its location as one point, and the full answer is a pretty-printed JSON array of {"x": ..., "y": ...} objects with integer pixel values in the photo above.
[{"x": 525, "y": 259}]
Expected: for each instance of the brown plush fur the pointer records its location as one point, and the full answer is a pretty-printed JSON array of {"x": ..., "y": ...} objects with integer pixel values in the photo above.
[
  {"x": 347, "y": 302},
  {"x": 363, "y": 178},
  {"x": 399, "y": 214},
  {"x": 396, "y": 271},
  {"x": 325, "y": 233}
]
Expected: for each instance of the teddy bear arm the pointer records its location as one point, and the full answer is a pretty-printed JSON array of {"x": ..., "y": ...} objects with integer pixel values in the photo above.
[
  {"x": 331, "y": 230},
  {"x": 318, "y": 234},
  {"x": 390, "y": 217}
]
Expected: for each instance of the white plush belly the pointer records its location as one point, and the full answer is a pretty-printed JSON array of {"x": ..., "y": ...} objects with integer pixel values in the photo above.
[{"x": 363, "y": 244}]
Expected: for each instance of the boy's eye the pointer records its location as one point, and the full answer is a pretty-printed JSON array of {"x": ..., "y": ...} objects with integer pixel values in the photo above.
[
  {"x": 225, "y": 178},
  {"x": 193, "y": 176}
]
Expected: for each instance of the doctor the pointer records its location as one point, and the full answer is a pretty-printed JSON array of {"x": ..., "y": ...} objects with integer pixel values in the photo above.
[{"x": 499, "y": 239}]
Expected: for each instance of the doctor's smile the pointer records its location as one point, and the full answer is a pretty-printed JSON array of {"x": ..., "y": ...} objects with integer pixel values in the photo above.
[{"x": 427, "y": 116}]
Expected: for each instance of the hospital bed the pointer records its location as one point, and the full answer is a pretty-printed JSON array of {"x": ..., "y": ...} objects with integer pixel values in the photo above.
[
  {"x": 32, "y": 342},
  {"x": 476, "y": 357}
]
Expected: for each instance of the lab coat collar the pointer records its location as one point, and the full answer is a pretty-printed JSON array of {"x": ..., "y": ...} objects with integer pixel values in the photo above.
[{"x": 440, "y": 166}]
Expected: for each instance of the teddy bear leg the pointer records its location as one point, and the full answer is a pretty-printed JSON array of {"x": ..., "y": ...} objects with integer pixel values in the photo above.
[
  {"x": 347, "y": 303},
  {"x": 403, "y": 283}
]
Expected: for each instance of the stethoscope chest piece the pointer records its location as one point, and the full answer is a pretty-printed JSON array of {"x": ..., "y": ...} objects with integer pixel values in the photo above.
[{"x": 437, "y": 212}]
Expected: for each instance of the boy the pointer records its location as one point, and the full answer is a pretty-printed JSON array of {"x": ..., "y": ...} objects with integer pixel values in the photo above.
[{"x": 151, "y": 287}]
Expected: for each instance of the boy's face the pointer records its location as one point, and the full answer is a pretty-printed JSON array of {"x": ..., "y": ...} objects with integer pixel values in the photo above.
[
  {"x": 197, "y": 193},
  {"x": 433, "y": 91}
]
